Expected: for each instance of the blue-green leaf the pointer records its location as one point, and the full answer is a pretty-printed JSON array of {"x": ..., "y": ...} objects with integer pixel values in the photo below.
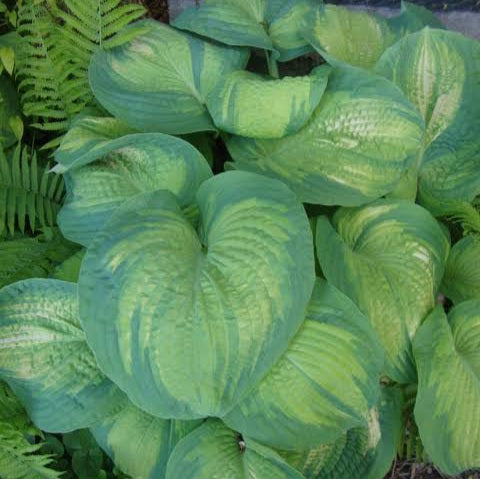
[
  {"x": 186, "y": 321},
  {"x": 159, "y": 81},
  {"x": 46, "y": 361}
]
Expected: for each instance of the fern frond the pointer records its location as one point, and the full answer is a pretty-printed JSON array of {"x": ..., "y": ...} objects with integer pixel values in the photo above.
[
  {"x": 27, "y": 192},
  {"x": 18, "y": 458},
  {"x": 95, "y": 22},
  {"x": 46, "y": 71},
  {"x": 33, "y": 257}
]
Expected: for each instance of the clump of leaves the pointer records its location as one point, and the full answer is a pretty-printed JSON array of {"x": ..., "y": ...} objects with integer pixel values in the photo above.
[{"x": 197, "y": 339}]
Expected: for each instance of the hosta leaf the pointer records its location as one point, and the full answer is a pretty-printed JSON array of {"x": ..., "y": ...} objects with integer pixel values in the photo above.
[
  {"x": 144, "y": 162},
  {"x": 229, "y": 297},
  {"x": 447, "y": 409},
  {"x": 438, "y": 71},
  {"x": 346, "y": 36},
  {"x": 412, "y": 18},
  {"x": 159, "y": 80},
  {"x": 389, "y": 258},
  {"x": 366, "y": 453},
  {"x": 333, "y": 365},
  {"x": 342, "y": 35},
  {"x": 266, "y": 24},
  {"x": 356, "y": 147},
  {"x": 214, "y": 451},
  {"x": 462, "y": 272},
  {"x": 89, "y": 139},
  {"x": 252, "y": 105},
  {"x": 46, "y": 361},
  {"x": 69, "y": 270},
  {"x": 139, "y": 444}
]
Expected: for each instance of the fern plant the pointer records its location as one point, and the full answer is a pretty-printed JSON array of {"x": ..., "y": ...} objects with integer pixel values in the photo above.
[
  {"x": 52, "y": 89},
  {"x": 19, "y": 458},
  {"x": 59, "y": 38},
  {"x": 27, "y": 192}
]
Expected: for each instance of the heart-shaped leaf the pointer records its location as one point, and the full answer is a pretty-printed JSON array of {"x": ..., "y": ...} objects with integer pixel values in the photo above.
[
  {"x": 389, "y": 258},
  {"x": 186, "y": 322},
  {"x": 159, "y": 81}
]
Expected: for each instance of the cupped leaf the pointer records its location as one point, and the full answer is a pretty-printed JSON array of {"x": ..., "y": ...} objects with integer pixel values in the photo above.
[
  {"x": 447, "y": 409},
  {"x": 356, "y": 147},
  {"x": 333, "y": 364},
  {"x": 256, "y": 106},
  {"x": 46, "y": 361},
  {"x": 342, "y": 35},
  {"x": 158, "y": 82},
  {"x": 438, "y": 71},
  {"x": 389, "y": 258},
  {"x": 266, "y": 24},
  {"x": 462, "y": 272},
  {"x": 139, "y": 444},
  {"x": 366, "y": 453},
  {"x": 213, "y": 451},
  {"x": 144, "y": 162},
  {"x": 184, "y": 321}
]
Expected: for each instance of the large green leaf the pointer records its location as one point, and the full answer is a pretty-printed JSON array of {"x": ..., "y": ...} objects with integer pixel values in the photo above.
[
  {"x": 342, "y": 35},
  {"x": 365, "y": 453},
  {"x": 389, "y": 258},
  {"x": 268, "y": 24},
  {"x": 333, "y": 364},
  {"x": 158, "y": 82},
  {"x": 438, "y": 71},
  {"x": 447, "y": 410},
  {"x": 356, "y": 147},
  {"x": 144, "y": 162},
  {"x": 184, "y": 321},
  {"x": 256, "y": 106},
  {"x": 46, "y": 361},
  {"x": 462, "y": 272},
  {"x": 139, "y": 444},
  {"x": 214, "y": 451}
]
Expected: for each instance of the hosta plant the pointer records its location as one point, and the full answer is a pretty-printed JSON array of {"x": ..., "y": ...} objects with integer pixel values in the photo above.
[{"x": 266, "y": 315}]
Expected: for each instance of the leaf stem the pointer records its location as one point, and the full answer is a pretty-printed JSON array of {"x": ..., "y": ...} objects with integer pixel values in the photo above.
[{"x": 272, "y": 65}]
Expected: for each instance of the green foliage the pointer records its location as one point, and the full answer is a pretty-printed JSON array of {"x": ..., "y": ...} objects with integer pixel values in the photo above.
[
  {"x": 36, "y": 257},
  {"x": 29, "y": 194},
  {"x": 59, "y": 37},
  {"x": 19, "y": 457},
  {"x": 191, "y": 335}
]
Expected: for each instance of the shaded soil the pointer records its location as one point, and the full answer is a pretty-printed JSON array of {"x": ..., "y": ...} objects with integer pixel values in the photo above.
[
  {"x": 157, "y": 9},
  {"x": 442, "y": 5},
  {"x": 410, "y": 470}
]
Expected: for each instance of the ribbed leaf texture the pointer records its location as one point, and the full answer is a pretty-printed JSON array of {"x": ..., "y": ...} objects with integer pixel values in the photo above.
[
  {"x": 33, "y": 257},
  {"x": 29, "y": 194},
  {"x": 59, "y": 39},
  {"x": 19, "y": 459}
]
